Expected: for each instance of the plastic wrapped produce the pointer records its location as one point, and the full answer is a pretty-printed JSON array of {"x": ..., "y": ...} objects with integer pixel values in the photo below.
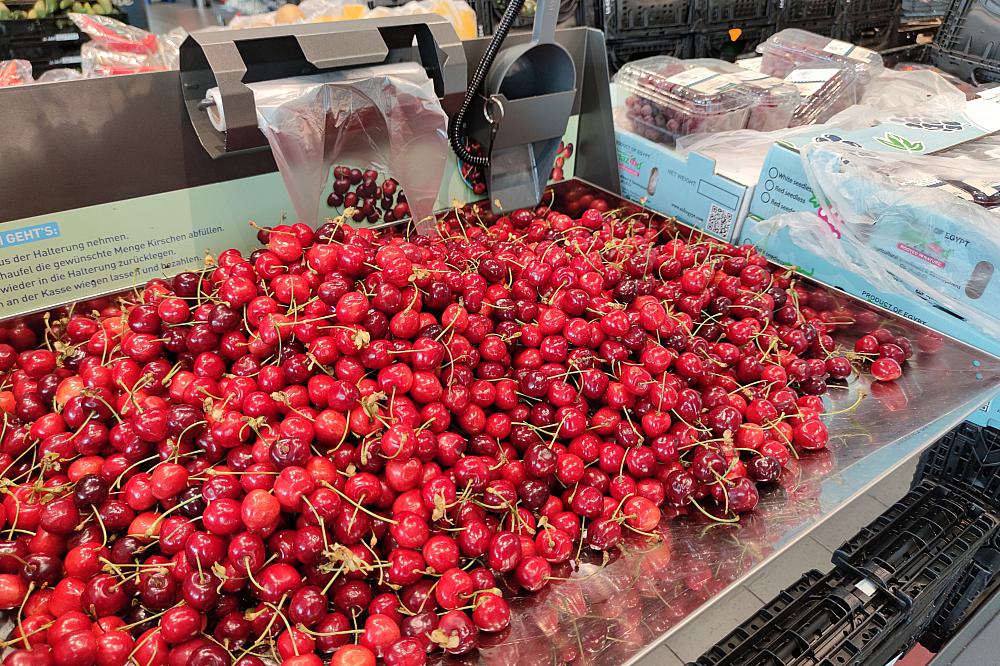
[
  {"x": 774, "y": 100},
  {"x": 666, "y": 98},
  {"x": 388, "y": 113},
  {"x": 60, "y": 74},
  {"x": 15, "y": 73},
  {"x": 115, "y": 48},
  {"x": 922, "y": 226}
]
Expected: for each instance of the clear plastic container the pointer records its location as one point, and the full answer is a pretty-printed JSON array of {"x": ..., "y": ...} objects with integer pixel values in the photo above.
[
  {"x": 665, "y": 98},
  {"x": 825, "y": 91},
  {"x": 791, "y": 49},
  {"x": 832, "y": 75},
  {"x": 774, "y": 100}
]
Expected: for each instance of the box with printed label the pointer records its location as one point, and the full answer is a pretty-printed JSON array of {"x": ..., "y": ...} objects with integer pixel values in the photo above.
[
  {"x": 783, "y": 186},
  {"x": 689, "y": 187}
]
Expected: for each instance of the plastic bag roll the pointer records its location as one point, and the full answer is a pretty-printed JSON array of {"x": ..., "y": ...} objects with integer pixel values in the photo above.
[{"x": 387, "y": 115}]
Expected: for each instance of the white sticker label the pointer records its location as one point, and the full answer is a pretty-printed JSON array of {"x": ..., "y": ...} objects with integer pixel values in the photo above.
[
  {"x": 838, "y": 47},
  {"x": 757, "y": 80},
  {"x": 984, "y": 185},
  {"x": 989, "y": 92},
  {"x": 919, "y": 179},
  {"x": 750, "y": 64},
  {"x": 809, "y": 81},
  {"x": 866, "y": 587},
  {"x": 691, "y": 76},
  {"x": 851, "y": 51},
  {"x": 702, "y": 79},
  {"x": 957, "y": 191},
  {"x": 62, "y": 37}
]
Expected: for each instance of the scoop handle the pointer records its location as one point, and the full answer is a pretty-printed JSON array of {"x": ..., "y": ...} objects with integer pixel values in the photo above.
[{"x": 543, "y": 30}]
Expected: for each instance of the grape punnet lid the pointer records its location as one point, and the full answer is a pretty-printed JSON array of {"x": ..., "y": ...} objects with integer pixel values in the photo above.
[{"x": 802, "y": 46}]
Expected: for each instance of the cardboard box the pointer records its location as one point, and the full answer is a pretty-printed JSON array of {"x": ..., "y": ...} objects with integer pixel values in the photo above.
[
  {"x": 691, "y": 188},
  {"x": 783, "y": 186}
]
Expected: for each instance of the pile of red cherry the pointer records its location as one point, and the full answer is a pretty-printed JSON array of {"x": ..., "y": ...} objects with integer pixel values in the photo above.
[{"x": 356, "y": 446}]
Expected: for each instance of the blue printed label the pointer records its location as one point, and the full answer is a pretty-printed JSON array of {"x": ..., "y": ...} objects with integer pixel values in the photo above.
[{"x": 30, "y": 234}]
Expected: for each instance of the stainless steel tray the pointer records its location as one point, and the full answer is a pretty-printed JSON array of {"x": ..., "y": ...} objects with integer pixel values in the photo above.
[{"x": 618, "y": 612}]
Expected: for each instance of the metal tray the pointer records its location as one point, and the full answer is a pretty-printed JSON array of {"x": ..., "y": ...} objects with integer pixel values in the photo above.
[{"x": 617, "y": 612}]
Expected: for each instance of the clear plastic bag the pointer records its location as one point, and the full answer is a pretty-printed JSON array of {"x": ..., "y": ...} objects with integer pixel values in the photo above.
[
  {"x": 897, "y": 93},
  {"x": 388, "y": 116},
  {"x": 60, "y": 74},
  {"x": 15, "y": 73},
  {"x": 115, "y": 48},
  {"x": 115, "y": 35},
  {"x": 921, "y": 226},
  {"x": 969, "y": 89}
]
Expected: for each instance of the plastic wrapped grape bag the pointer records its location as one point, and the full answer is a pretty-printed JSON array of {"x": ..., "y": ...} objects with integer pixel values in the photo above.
[{"x": 921, "y": 226}]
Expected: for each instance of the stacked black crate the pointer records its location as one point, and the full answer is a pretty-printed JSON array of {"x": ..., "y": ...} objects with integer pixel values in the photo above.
[
  {"x": 967, "y": 458},
  {"x": 571, "y": 13},
  {"x": 824, "y": 17},
  {"x": 47, "y": 43},
  {"x": 635, "y": 29},
  {"x": 968, "y": 42},
  {"x": 889, "y": 582},
  {"x": 871, "y": 23},
  {"x": 730, "y": 29}
]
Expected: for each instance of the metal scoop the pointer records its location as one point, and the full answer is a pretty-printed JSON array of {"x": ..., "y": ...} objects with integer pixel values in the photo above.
[{"x": 530, "y": 91}]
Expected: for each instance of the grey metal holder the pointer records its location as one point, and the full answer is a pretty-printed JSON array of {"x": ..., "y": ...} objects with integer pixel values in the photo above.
[
  {"x": 530, "y": 91},
  {"x": 229, "y": 59}
]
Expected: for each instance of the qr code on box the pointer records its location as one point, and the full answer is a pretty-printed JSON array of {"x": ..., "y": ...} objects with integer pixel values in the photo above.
[{"x": 720, "y": 221}]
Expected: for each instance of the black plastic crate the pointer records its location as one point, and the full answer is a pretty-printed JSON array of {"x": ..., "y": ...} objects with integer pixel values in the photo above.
[
  {"x": 720, "y": 44},
  {"x": 920, "y": 544},
  {"x": 971, "y": 27},
  {"x": 862, "y": 9},
  {"x": 571, "y": 13},
  {"x": 658, "y": 19},
  {"x": 50, "y": 28},
  {"x": 968, "y": 456},
  {"x": 620, "y": 53},
  {"x": 821, "y": 620},
  {"x": 829, "y": 28},
  {"x": 976, "y": 71},
  {"x": 39, "y": 51},
  {"x": 37, "y": 28},
  {"x": 798, "y": 11},
  {"x": 725, "y": 13},
  {"x": 875, "y": 33},
  {"x": 975, "y": 586}
]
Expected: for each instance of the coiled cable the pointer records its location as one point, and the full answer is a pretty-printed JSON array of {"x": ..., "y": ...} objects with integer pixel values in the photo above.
[{"x": 456, "y": 135}]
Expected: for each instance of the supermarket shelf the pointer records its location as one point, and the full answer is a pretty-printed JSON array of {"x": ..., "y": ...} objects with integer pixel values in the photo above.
[{"x": 667, "y": 603}]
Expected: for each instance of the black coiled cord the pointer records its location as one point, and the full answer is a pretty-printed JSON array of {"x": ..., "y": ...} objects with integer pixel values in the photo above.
[{"x": 456, "y": 124}]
